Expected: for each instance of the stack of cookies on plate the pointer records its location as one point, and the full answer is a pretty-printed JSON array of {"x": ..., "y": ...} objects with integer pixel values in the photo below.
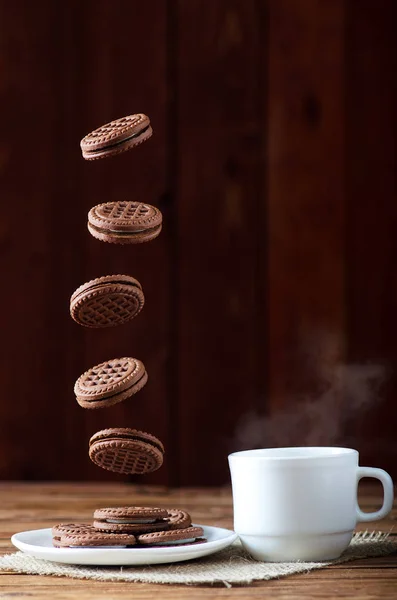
[
  {"x": 130, "y": 526},
  {"x": 105, "y": 302}
]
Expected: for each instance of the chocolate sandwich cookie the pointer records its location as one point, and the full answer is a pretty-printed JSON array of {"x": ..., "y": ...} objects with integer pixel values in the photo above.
[
  {"x": 110, "y": 382},
  {"x": 173, "y": 537},
  {"x": 178, "y": 519},
  {"x": 107, "y": 301},
  {"x": 131, "y": 519},
  {"x": 69, "y": 529},
  {"x": 96, "y": 538},
  {"x": 124, "y": 222},
  {"x": 124, "y": 450},
  {"x": 116, "y": 137}
]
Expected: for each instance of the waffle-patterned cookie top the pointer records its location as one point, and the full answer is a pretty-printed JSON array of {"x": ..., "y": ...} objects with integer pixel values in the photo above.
[
  {"x": 110, "y": 377},
  {"x": 115, "y": 307},
  {"x": 107, "y": 301},
  {"x": 126, "y": 456},
  {"x": 125, "y": 450},
  {"x": 114, "y": 132},
  {"x": 124, "y": 216}
]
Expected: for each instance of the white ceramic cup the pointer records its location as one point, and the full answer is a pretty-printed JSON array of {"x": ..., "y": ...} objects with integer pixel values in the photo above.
[{"x": 295, "y": 504}]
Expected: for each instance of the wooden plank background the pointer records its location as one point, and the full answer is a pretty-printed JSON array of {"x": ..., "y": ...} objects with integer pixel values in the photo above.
[{"x": 270, "y": 314}]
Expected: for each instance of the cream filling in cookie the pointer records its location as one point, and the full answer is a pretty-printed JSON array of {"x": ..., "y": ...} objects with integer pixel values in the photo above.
[
  {"x": 118, "y": 143},
  {"x": 108, "y": 547},
  {"x": 118, "y": 231},
  {"x": 129, "y": 438},
  {"x": 122, "y": 231},
  {"x": 175, "y": 542},
  {"x": 131, "y": 521},
  {"x": 90, "y": 399}
]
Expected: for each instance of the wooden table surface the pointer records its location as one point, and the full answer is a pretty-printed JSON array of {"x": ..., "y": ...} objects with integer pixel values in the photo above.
[{"x": 31, "y": 506}]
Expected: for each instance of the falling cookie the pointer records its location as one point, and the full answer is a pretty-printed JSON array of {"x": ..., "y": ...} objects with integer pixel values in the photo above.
[
  {"x": 116, "y": 137},
  {"x": 107, "y": 301},
  {"x": 127, "y": 451},
  {"x": 124, "y": 222},
  {"x": 131, "y": 519},
  {"x": 110, "y": 382}
]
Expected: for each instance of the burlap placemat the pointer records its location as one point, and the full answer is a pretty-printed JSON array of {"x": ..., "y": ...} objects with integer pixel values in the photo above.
[{"x": 230, "y": 566}]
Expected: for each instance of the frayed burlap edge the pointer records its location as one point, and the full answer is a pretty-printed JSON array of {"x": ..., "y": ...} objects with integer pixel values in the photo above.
[{"x": 230, "y": 566}]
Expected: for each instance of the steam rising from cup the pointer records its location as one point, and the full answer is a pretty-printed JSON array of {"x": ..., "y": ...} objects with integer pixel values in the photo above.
[{"x": 348, "y": 392}]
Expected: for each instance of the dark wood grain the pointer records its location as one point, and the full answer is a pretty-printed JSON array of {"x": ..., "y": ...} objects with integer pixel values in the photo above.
[
  {"x": 218, "y": 194},
  {"x": 39, "y": 253},
  {"x": 306, "y": 223},
  {"x": 67, "y": 75},
  {"x": 273, "y": 162},
  {"x": 371, "y": 191}
]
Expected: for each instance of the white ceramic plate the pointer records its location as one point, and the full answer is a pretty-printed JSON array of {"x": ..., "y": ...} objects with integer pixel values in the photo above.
[{"x": 38, "y": 543}]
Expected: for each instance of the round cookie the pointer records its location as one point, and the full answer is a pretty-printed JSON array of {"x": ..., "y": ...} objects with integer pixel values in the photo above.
[
  {"x": 107, "y": 301},
  {"x": 131, "y": 519},
  {"x": 116, "y": 137},
  {"x": 110, "y": 382},
  {"x": 178, "y": 519},
  {"x": 61, "y": 529},
  {"x": 127, "y": 451},
  {"x": 124, "y": 222},
  {"x": 172, "y": 537},
  {"x": 96, "y": 538}
]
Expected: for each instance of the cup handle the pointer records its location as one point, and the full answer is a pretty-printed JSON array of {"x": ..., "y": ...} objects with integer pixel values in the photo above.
[{"x": 388, "y": 493}]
